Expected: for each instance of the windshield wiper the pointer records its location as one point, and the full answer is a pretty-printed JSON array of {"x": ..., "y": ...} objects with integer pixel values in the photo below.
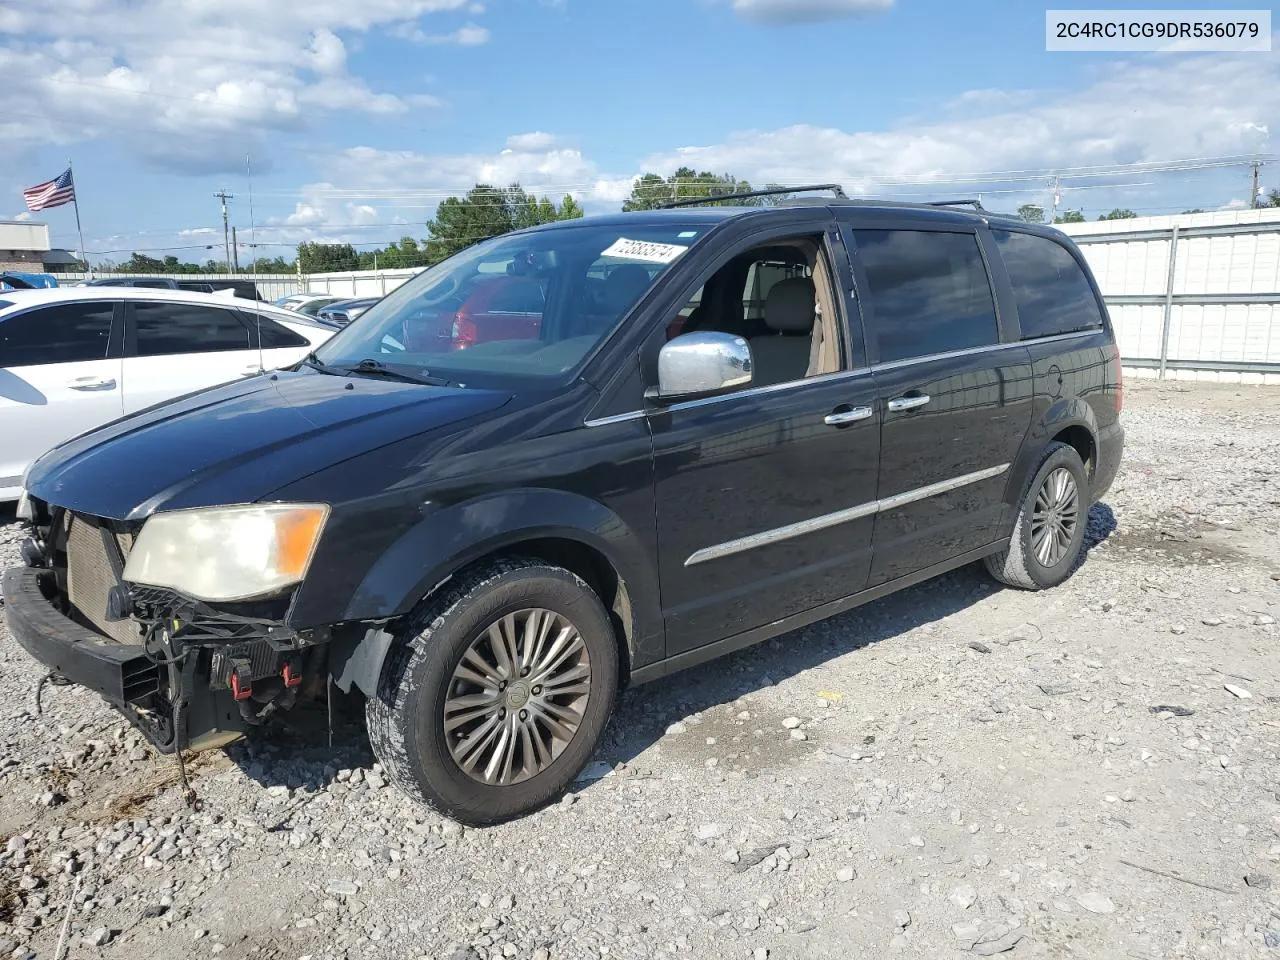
[
  {"x": 377, "y": 368},
  {"x": 314, "y": 362}
]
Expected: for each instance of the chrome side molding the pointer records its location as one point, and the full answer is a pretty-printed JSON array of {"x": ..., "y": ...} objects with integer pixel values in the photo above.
[{"x": 814, "y": 524}]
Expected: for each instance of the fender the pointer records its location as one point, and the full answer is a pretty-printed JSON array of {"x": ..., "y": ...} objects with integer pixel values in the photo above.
[
  {"x": 1060, "y": 415},
  {"x": 452, "y": 537}
]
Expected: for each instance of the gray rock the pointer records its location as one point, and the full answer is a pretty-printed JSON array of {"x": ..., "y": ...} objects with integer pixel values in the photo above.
[
  {"x": 99, "y": 937},
  {"x": 845, "y": 874},
  {"x": 799, "y": 735},
  {"x": 964, "y": 895},
  {"x": 791, "y": 723},
  {"x": 1096, "y": 902},
  {"x": 901, "y": 919},
  {"x": 989, "y": 948},
  {"x": 342, "y": 888},
  {"x": 1258, "y": 881}
]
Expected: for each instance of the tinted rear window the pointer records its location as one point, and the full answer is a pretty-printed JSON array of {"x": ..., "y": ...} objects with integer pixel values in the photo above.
[
  {"x": 1051, "y": 290},
  {"x": 929, "y": 292},
  {"x": 162, "y": 329}
]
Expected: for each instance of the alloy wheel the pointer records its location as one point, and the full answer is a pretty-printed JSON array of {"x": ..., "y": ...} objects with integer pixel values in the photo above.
[
  {"x": 517, "y": 697},
  {"x": 1055, "y": 517}
]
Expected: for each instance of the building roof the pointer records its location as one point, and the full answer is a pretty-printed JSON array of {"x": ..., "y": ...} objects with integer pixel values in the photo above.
[{"x": 60, "y": 257}]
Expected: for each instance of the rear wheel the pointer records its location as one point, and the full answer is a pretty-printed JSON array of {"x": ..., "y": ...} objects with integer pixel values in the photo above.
[
  {"x": 496, "y": 694},
  {"x": 1048, "y": 533}
]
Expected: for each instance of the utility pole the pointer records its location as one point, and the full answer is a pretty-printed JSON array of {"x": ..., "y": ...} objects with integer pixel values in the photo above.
[
  {"x": 1057, "y": 198},
  {"x": 226, "y": 238},
  {"x": 1253, "y": 192},
  {"x": 235, "y": 250}
]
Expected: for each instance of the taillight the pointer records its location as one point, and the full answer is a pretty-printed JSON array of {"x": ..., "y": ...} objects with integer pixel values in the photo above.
[
  {"x": 464, "y": 333},
  {"x": 1119, "y": 372}
]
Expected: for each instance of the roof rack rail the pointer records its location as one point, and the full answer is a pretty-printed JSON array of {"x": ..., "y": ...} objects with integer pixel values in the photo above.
[
  {"x": 976, "y": 204},
  {"x": 747, "y": 194}
]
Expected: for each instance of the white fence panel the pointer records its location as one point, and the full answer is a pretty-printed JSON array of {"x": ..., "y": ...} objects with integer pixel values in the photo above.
[
  {"x": 359, "y": 283},
  {"x": 1217, "y": 314},
  {"x": 1132, "y": 269}
]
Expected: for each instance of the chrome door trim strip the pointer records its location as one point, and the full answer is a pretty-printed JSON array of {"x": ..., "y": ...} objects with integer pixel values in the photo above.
[
  {"x": 950, "y": 354},
  {"x": 815, "y": 524},
  {"x": 616, "y": 418},
  {"x": 748, "y": 392}
]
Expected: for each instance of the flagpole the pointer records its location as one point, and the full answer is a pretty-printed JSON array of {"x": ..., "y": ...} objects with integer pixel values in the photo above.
[{"x": 75, "y": 201}]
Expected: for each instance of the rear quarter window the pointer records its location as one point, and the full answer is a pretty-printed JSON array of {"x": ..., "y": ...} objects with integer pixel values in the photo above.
[
  {"x": 1052, "y": 292},
  {"x": 274, "y": 335}
]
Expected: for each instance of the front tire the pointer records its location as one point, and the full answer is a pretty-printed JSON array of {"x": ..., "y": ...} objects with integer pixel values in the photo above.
[
  {"x": 497, "y": 692},
  {"x": 1048, "y": 534}
]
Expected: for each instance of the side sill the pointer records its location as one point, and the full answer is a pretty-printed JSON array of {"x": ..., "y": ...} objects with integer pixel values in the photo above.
[{"x": 749, "y": 638}]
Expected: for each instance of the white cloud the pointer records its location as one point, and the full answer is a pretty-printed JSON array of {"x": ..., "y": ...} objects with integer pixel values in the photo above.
[
  {"x": 193, "y": 84},
  {"x": 469, "y": 35},
  {"x": 526, "y": 142},
  {"x": 807, "y": 11},
  {"x": 1145, "y": 110}
]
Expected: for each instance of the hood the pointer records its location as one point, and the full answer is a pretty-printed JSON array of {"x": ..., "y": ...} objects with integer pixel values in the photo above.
[{"x": 239, "y": 442}]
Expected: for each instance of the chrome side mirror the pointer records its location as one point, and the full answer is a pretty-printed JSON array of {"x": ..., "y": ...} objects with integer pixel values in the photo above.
[{"x": 700, "y": 365}]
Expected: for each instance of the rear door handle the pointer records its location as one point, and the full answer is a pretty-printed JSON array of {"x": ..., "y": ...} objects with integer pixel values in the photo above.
[
  {"x": 92, "y": 383},
  {"x": 846, "y": 415},
  {"x": 898, "y": 404}
]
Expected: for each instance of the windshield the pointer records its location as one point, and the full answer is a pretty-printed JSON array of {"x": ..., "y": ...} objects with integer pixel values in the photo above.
[{"x": 523, "y": 305}]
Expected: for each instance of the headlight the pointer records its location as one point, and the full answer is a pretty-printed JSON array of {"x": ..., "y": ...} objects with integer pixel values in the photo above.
[{"x": 227, "y": 553}]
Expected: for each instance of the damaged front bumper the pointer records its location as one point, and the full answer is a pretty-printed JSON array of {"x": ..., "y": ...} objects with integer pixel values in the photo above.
[{"x": 194, "y": 683}]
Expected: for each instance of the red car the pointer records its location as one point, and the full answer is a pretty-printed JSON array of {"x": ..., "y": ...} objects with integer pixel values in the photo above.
[{"x": 500, "y": 308}]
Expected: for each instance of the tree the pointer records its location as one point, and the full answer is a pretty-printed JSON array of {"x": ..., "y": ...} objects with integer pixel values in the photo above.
[
  {"x": 1194, "y": 210},
  {"x": 462, "y": 221},
  {"x": 1069, "y": 216},
  {"x": 570, "y": 210},
  {"x": 776, "y": 199},
  {"x": 1271, "y": 200},
  {"x": 651, "y": 190},
  {"x": 271, "y": 265},
  {"x": 327, "y": 257},
  {"x": 1031, "y": 213},
  {"x": 141, "y": 263},
  {"x": 489, "y": 211},
  {"x": 1119, "y": 213}
]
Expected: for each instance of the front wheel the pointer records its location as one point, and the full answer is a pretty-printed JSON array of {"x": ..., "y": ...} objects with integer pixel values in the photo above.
[
  {"x": 496, "y": 694},
  {"x": 1048, "y": 533}
]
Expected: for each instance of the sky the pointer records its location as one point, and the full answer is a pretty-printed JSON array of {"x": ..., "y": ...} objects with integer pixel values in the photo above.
[{"x": 358, "y": 116}]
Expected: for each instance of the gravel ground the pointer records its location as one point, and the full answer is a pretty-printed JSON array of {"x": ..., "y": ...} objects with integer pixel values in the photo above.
[{"x": 957, "y": 770}]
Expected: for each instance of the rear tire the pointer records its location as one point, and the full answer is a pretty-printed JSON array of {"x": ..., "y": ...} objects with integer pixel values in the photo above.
[
  {"x": 1048, "y": 534},
  {"x": 483, "y": 685}
]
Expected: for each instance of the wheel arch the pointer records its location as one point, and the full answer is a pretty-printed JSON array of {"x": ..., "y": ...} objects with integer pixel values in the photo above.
[
  {"x": 590, "y": 541},
  {"x": 1070, "y": 421}
]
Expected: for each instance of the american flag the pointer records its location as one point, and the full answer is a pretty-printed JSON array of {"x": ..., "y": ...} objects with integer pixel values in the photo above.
[{"x": 51, "y": 193}]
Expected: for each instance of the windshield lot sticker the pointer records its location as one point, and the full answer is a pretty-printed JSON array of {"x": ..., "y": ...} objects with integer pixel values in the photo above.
[{"x": 625, "y": 249}]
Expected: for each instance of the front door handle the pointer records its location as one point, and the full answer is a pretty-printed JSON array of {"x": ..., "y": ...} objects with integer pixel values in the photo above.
[
  {"x": 842, "y": 416},
  {"x": 92, "y": 383},
  {"x": 898, "y": 404}
]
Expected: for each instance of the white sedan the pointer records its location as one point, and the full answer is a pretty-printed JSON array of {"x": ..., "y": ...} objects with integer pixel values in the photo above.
[{"x": 74, "y": 358}]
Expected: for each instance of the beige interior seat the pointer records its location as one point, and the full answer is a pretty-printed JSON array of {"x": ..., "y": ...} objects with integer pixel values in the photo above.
[{"x": 783, "y": 353}]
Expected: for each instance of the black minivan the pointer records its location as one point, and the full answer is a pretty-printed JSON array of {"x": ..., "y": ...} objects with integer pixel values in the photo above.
[{"x": 725, "y": 423}]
